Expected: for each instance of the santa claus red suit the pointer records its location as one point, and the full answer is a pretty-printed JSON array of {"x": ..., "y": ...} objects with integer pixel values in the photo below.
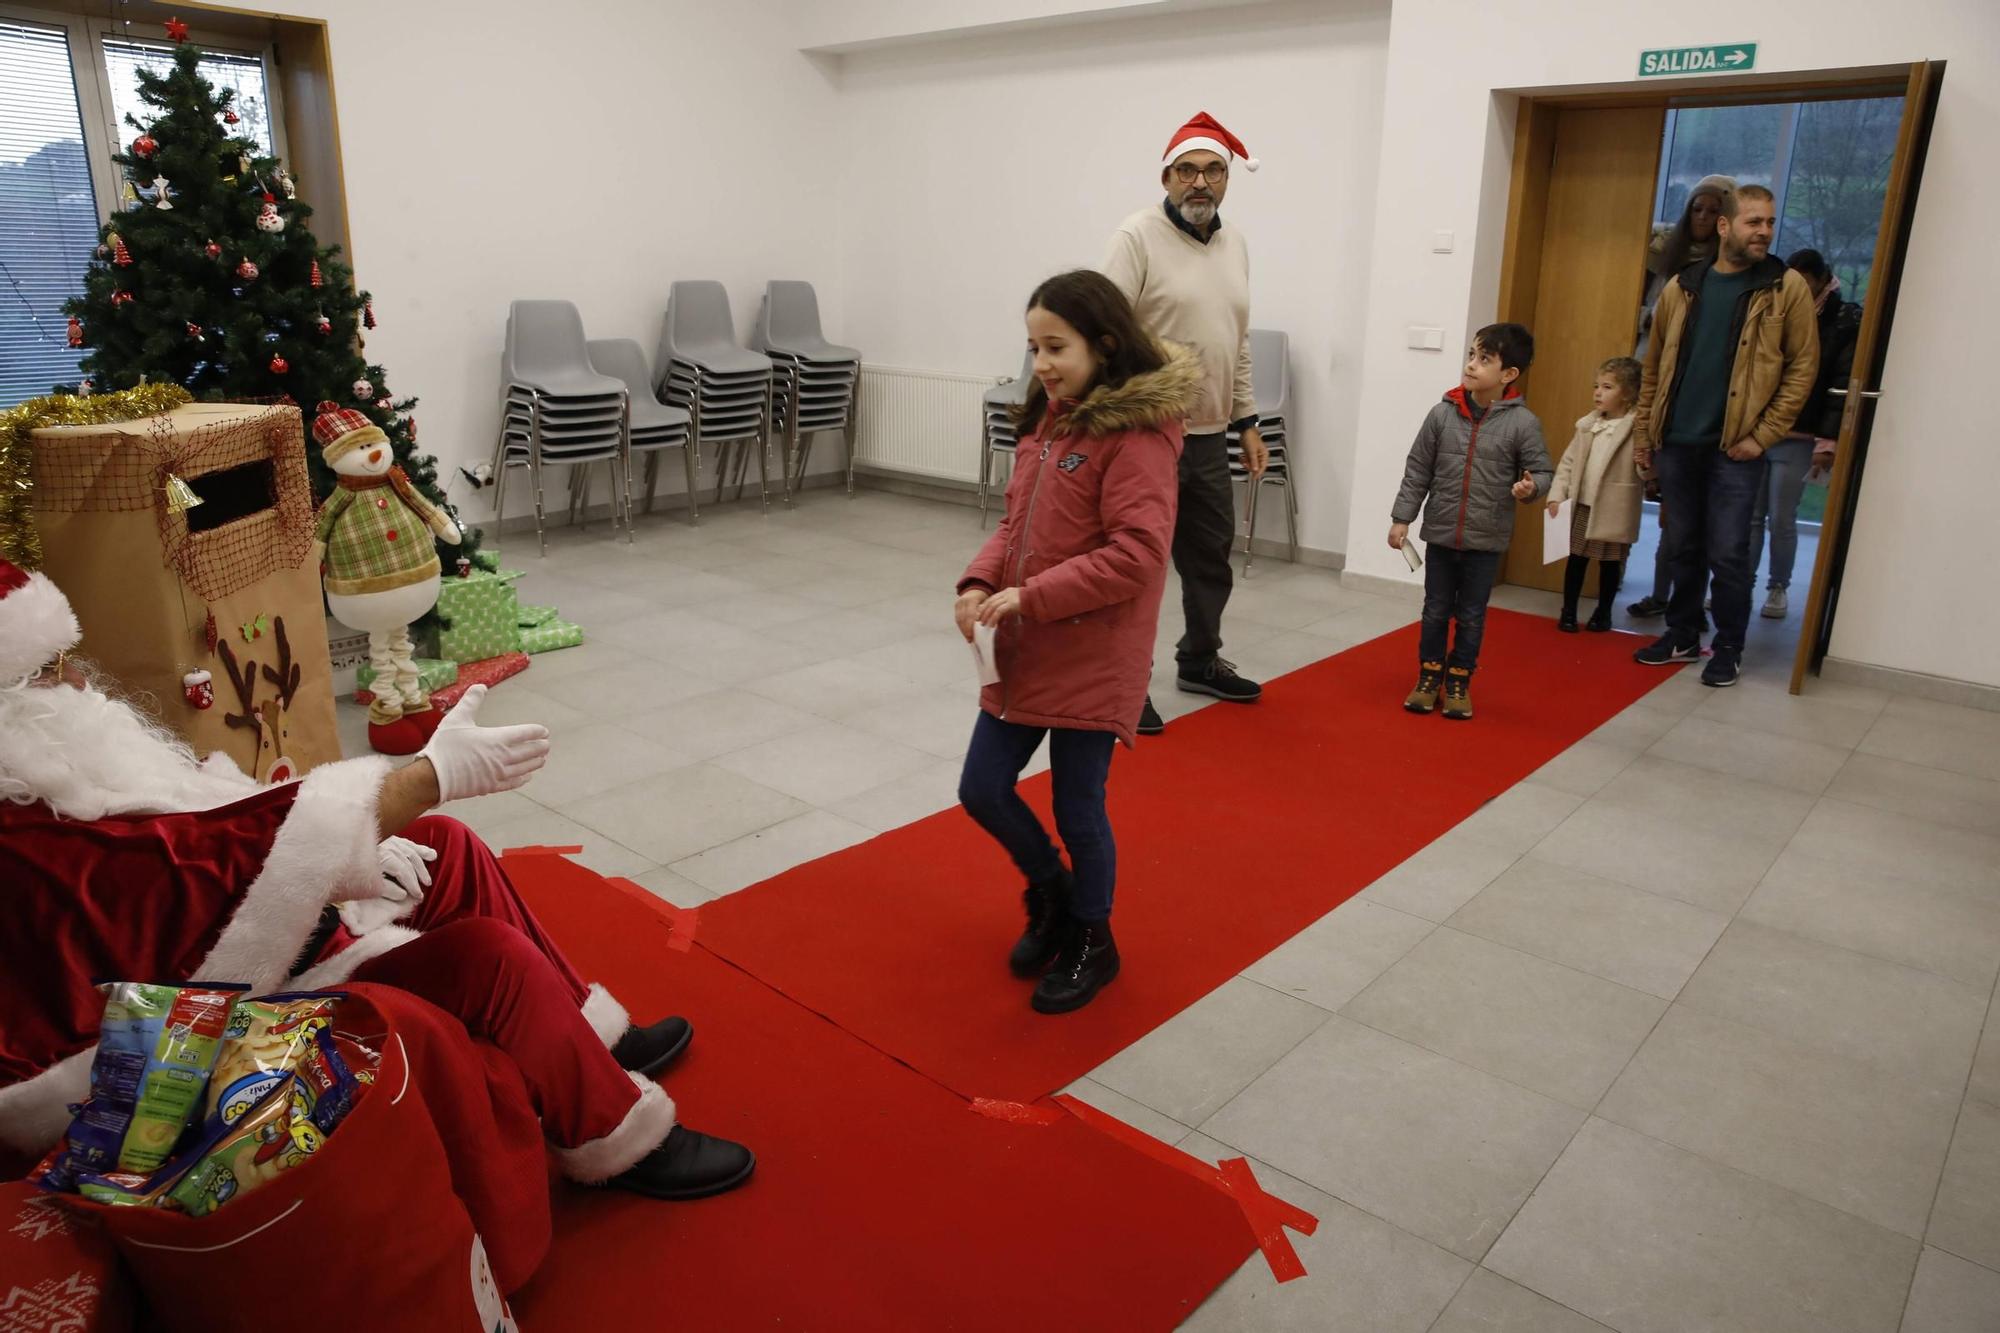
[{"x": 124, "y": 857}]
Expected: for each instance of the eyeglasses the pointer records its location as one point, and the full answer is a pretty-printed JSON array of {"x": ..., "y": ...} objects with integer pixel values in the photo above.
[{"x": 1214, "y": 173}]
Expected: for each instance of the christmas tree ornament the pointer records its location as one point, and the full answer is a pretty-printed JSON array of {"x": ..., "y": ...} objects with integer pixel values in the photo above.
[
  {"x": 144, "y": 146},
  {"x": 323, "y": 324},
  {"x": 242, "y": 164},
  {"x": 119, "y": 254},
  {"x": 198, "y": 688},
  {"x": 209, "y": 635},
  {"x": 212, "y": 250},
  {"x": 381, "y": 404},
  {"x": 411, "y": 422},
  {"x": 368, "y": 313},
  {"x": 268, "y": 219},
  {"x": 160, "y": 199},
  {"x": 180, "y": 496},
  {"x": 364, "y": 391},
  {"x": 229, "y": 117},
  {"x": 75, "y": 331},
  {"x": 315, "y": 274},
  {"x": 103, "y": 250},
  {"x": 194, "y": 332},
  {"x": 128, "y": 198},
  {"x": 176, "y": 30},
  {"x": 286, "y": 183},
  {"x": 247, "y": 271},
  {"x": 279, "y": 365},
  {"x": 83, "y": 388},
  {"x": 121, "y": 298}
]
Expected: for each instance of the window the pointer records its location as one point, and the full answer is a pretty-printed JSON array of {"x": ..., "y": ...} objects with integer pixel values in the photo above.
[
  {"x": 1827, "y": 163},
  {"x": 48, "y": 211},
  {"x": 124, "y": 58}
]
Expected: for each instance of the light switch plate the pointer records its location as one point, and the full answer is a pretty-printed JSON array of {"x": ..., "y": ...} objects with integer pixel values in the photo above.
[
  {"x": 1426, "y": 339},
  {"x": 1442, "y": 242}
]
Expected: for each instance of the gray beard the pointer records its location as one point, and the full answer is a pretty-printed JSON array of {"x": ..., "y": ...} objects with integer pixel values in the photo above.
[{"x": 1198, "y": 214}]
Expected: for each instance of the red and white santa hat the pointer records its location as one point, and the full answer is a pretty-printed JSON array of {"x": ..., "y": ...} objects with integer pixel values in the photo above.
[
  {"x": 36, "y": 623},
  {"x": 1205, "y": 131}
]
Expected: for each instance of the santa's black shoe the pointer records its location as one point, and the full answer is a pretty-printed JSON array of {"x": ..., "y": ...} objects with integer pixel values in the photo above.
[
  {"x": 1087, "y": 963},
  {"x": 1048, "y": 911},
  {"x": 689, "y": 1165},
  {"x": 648, "y": 1050}
]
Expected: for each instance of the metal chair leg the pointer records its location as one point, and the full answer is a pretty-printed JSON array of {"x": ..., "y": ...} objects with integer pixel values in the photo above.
[
  {"x": 1250, "y": 536},
  {"x": 535, "y": 467},
  {"x": 985, "y": 479},
  {"x": 652, "y": 477},
  {"x": 1292, "y": 516},
  {"x": 850, "y": 432},
  {"x": 691, "y": 456}
]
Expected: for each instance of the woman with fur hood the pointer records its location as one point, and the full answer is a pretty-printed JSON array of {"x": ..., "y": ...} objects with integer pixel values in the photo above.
[{"x": 1070, "y": 584}]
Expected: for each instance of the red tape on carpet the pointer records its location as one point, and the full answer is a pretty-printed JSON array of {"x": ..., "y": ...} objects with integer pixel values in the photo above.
[
  {"x": 878, "y": 1203},
  {"x": 1236, "y": 830}
]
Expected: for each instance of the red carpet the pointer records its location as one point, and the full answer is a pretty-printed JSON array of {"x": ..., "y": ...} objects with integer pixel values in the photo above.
[
  {"x": 880, "y": 1201},
  {"x": 1237, "y": 829}
]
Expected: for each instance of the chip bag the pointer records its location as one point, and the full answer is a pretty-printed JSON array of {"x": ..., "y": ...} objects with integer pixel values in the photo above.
[
  {"x": 271, "y": 1137},
  {"x": 266, "y": 1038}
]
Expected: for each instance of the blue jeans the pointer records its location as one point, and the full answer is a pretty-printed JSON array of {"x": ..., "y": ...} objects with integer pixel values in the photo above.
[
  {"x": 1457, "y": 585},
  {"x": 1080, "y": 765},
  {"x": 1708, "y": 496},
  {"x": 1777, "y": 509}
]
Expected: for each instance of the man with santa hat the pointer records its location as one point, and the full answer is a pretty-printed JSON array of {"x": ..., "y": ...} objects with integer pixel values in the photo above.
[
  {"x": 125, "y": 857},
  {"x": 1188, "y": 278}
]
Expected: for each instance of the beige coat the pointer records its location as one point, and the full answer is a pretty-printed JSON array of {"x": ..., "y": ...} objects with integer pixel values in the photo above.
[{"x": 1597, "y": 470}]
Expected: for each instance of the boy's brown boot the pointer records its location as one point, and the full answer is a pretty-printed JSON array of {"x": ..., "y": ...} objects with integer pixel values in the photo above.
[
  {"x": 1430, "y": 679},
  {"x": 1458, "y": 694}
]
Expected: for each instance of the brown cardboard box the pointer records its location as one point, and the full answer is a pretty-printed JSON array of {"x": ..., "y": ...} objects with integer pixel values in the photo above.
[{"x": 145, "y": 576}]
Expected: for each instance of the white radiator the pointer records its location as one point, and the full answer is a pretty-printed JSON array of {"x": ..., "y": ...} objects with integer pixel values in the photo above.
[{"x": 924, "y": 422}]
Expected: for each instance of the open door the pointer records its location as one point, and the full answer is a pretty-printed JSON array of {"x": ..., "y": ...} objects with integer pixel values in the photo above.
[
  {"x": 1885, "y": 276},
  {"x": 1587, "y": 253}
]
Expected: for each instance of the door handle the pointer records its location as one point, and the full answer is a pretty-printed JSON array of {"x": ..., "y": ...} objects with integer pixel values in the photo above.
[{"x": 1865, "y": 393}]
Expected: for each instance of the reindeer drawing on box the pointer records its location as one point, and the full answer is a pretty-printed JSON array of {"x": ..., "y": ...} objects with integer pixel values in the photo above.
[{"x": 266, "y": 719}]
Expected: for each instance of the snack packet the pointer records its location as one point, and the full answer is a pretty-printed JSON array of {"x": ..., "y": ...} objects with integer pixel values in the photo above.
[
  {"x": 179, "y": 1030},
  {"x": 126, "y": 1188},
  {"x": 326, "y": 1086},
  {"x": 272, "y": 1136},
  {"x": 266, "y": 1037}
]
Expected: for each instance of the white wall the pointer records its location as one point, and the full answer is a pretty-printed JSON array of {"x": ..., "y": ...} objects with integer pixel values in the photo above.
[
  {"x": 1914, "y": 596},
  {"x": 973, "y": 168},
  {"x": 592, "y": 153}
]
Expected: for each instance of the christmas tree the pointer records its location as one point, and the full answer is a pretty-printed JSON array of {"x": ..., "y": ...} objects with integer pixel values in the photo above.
[{"x": 210, "y": 279}]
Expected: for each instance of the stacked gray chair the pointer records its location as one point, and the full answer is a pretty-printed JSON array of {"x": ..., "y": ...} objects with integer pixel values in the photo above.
[
  {"x": 1271, "y": 378},
  {"x": 725, "y": 390},
  {"x": 655, "y": 426},
  {"x": 556, "y": 409},
  {"x": 997, "y": 425},
  {"x": 815, "y": 381}
]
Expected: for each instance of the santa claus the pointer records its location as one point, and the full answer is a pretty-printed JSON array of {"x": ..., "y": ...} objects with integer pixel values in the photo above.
[{"x": 124, "y": 856}]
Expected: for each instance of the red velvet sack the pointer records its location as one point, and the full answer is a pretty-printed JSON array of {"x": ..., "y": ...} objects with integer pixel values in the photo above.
[
  {"x": 369, "y": 1232},
  {"x": 58, "y": 1274}
]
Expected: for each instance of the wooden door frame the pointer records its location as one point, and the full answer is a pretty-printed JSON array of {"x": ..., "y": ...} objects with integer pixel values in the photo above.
[{"x": 1527, "y": 215}]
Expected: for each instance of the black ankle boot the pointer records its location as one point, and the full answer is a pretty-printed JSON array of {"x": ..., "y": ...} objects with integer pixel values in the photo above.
[
  {"x": 1600, "y": 619},
  {"x": 1048, "y": 912},
  {"x": 1087, "y": 963},
  {"x": 688, "y": 1165},
  {"x": 1566, "y": 622}
]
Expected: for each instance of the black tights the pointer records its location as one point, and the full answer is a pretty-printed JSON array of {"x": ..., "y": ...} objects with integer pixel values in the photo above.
[{"x": 1609, "y": 573}]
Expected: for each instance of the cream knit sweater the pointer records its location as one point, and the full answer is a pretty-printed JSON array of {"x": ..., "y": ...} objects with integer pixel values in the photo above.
[{"x": 1196, "y": 295}]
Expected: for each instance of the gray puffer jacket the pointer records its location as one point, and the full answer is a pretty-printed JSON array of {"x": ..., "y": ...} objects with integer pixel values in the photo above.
[{"x": 1461, "y": 472}]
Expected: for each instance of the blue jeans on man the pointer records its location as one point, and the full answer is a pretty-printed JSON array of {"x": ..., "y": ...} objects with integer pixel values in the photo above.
[
  {"x": 1457, "y": 586},
  {"x": 1777, "y": 508},
  {"x": 1708, "y": 497}
]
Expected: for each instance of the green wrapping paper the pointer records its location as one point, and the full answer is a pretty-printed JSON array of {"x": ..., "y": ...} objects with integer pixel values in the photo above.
[
  {"x": 551, "y": 634},
  {"x": 532, "y": 616},
  {"x": 482, "y": 617}
]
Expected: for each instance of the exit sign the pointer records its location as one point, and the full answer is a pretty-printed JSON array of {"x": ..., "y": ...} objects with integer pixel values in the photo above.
[{"x": 1728, "y": 58}]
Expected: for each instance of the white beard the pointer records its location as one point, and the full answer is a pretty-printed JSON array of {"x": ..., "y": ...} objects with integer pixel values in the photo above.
[{"x": 89, "y": 755}]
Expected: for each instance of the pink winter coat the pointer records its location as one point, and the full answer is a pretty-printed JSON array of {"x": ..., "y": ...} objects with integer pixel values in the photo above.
[{"x": 1090, "y": 517}]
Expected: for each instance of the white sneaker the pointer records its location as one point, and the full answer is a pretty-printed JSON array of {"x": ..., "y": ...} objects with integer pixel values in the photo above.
[{"x": 1775, "y": 604}]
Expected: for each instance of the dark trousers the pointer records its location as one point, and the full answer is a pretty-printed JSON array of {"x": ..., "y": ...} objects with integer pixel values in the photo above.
[
  {"x": 1079, "y": 765},
  {"x": 1457, "y": 585},
  {"x": 1204, "y": 533},
  {"x": 1707, "y": 497},
  {"x": 1609, "y": 574}
]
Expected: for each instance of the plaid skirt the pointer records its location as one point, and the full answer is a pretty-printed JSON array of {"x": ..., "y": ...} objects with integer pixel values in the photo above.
[{"x": 1579, "y": 523}]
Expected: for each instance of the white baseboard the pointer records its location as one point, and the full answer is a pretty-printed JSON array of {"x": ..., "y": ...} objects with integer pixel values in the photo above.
[{"x": 1943, "y": 689}]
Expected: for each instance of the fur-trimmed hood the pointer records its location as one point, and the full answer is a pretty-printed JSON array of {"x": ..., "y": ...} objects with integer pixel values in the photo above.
[{"x": 1154, "y": 398}]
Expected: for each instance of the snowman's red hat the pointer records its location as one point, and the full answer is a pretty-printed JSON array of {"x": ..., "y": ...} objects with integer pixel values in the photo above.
[
  {"x": 36, "y": 623},
  {"x": 341, "y": 430},
  {"x": 1205, "y": 131}
]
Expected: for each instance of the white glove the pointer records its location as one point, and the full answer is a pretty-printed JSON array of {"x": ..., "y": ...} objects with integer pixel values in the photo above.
[
  {"x": 472, "y": 760},
  {"x": 406, "y": 867}
]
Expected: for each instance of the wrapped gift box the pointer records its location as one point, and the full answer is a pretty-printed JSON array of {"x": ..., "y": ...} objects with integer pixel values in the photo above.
[
  {"x": 549, "y": 635},
  {"x": 481, "y": 617}
]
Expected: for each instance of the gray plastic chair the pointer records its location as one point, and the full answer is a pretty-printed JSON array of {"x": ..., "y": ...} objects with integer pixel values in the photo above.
[
  {"x": 655, "y": 426},
  {"x": 817, "y": 381},
  {"x": 725, "y": 390},
  {"x": 556, "y": 409},
  {"x": 1271, "y": 381},
  {"x": 999, "y": 435}
]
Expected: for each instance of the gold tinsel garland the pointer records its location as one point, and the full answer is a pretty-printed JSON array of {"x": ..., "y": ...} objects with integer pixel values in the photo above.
[{"x": 20, "y": 541}]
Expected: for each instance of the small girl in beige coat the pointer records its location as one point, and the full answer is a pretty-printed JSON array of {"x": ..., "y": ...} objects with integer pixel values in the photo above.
[{"x": 1597, "y": 472}]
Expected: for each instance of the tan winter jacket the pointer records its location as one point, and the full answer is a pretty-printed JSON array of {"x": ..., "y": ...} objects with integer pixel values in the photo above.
[
  {"x": 1597, "y": 470},
  {"x": 1777, "y": 356}
]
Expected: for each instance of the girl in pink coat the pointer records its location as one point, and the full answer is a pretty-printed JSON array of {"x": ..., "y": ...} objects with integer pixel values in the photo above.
[{"x": 1071, "y": 583}]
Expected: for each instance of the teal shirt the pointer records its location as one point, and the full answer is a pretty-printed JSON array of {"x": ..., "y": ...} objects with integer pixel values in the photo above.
[{"x": 1709, "y": 353}]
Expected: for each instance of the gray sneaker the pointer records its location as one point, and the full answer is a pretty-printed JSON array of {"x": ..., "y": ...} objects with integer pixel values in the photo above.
[{"x": 1775, "y": 604}]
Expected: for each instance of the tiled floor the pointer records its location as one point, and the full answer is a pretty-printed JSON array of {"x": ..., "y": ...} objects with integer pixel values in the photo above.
[{"x": 1693, "y": 1029}]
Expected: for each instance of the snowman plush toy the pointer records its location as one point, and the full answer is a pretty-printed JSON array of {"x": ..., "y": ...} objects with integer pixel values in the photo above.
[{"x": 380, "y": 568}]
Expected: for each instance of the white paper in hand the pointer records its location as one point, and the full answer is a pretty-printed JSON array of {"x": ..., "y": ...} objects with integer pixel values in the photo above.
[
  {"x": 982, "y": 655},
  {"x": 1411, "y": 556},
  {"x": 1555, "y": 532}
]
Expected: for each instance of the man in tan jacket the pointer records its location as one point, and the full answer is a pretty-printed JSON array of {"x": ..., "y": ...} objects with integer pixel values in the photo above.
[
  {"x": 1189, "y": 281},
  {"x": 1733, "y": 353}
]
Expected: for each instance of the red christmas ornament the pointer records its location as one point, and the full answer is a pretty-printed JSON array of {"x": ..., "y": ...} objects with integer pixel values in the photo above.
[
  {"x": 230, "y": 117},
  {"x": 212, "y": 250},
  {"x": 246, "y": 271},
  {"x": 381, "y": 404},
  {"x": 121, "y": 298},
  {"x": 315, "y": 273},
  {"x": 363, "y": 390},
  {"x": 324, "y": 325},
  {"x": 119, "y": 254},
  {"x": 279, "y": 365},
  {"x": 198, "y": 687},
  {"x": 144, "y": 145},
  {"x": 209, "y": 635},
  {"x": 177, "y": 30},
  {"x": 194, "y": 331},
  {"x": 368, "y": 313},
  {"x": 75, "y": 332},
  {"x": 411, "y": 422}
]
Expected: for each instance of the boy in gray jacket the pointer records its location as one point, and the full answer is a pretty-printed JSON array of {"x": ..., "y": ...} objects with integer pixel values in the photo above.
[{"x": 1477, "y": 455}]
